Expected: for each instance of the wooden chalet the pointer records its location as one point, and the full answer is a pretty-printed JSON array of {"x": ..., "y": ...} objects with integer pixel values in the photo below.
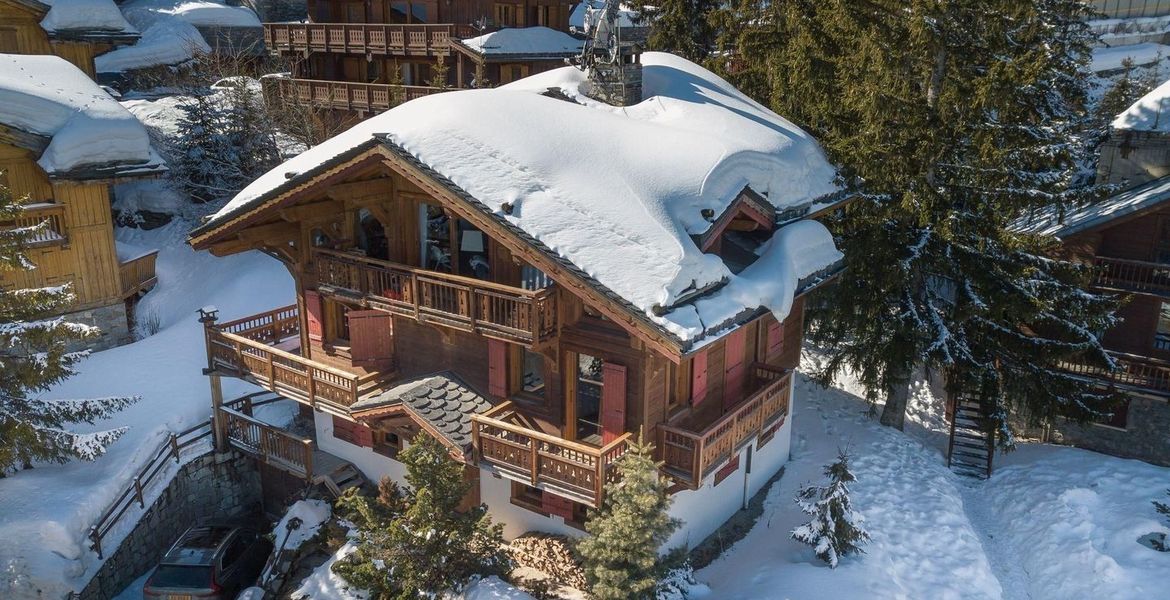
[
  {"x": 426, "y": 303},
  {"x": 70, "y": 195},
  {"x": 27, "y": 28}
]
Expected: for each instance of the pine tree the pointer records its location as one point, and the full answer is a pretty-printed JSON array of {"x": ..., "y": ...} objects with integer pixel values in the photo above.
[
  {"x": 250, "y": 133},
  {"x": 439, "y": 73},
  {"x": 33, "y": 358},
  {"x": 835, "y": 529},
  {"x": 621, "y": 553},
  {"x": 682, "y": 27},
  {"x": 950, "y": 121},
  {"x": 203, "y": 160},
  {"x": 426, "y": 545}
]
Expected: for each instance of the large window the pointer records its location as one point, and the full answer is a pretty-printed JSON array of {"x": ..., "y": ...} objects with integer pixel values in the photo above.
[
  {"x": 531, "y": 372},
  {"x": 588, "y": 396},
  {"x": 436, "y": 239}
]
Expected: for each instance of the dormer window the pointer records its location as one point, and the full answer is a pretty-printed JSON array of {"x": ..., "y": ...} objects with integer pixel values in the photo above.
[{"x": 737, "y": 235}]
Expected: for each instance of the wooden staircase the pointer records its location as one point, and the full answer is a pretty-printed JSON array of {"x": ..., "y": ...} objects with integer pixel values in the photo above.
[
  {"x": 972, "y": 443},
  {"x": 336, "y": 476}
]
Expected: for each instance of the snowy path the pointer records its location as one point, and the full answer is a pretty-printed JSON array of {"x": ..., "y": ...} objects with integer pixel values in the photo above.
[{"x": 1005, "y": 563}]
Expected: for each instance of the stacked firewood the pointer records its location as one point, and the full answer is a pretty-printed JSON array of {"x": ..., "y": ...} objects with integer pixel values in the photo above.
[{"x": 550, "y": 554}]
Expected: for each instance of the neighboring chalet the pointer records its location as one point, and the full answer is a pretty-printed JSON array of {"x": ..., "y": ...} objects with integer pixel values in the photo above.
[
  {"x": 76, "y": 30},
  {"x": 535, "y": 278},
  {"x": 62, "y": 147},
  {"x": 1138, "y": 147},
  {"x": 363, "y": 58}
]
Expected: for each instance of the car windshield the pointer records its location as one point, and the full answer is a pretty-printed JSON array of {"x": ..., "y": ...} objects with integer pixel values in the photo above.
[{"x": 181, "y": 576}]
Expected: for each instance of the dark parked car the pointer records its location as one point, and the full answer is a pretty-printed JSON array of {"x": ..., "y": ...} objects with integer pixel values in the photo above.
[{"x": 209, "y": 562}]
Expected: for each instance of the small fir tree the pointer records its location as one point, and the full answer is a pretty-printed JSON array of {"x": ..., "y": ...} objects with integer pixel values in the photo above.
[
  {"x": 33, "y": 358},
  {"x": 1162, "y": 541},
  {"x": 621, "y": 553},
  {"x": 201, "y": 150},
  {"x": 422, "y": 545},
  {"x": 250, "y": 132},
  {"x": 835, "y": 529},
  {"x": 439, "y": 73}
]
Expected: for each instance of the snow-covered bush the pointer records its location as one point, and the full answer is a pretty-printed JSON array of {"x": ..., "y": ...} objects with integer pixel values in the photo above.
[
  {"x": 1162, "y": 542},
  {"x": 835, "y": 529}
]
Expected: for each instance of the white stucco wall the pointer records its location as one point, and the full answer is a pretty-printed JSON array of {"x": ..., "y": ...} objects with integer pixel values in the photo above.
[
  {"x": 373, "y": 465},
  {"x": 496, "y": 493}
]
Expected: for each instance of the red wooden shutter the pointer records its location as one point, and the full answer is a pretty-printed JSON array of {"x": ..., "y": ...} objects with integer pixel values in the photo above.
[
  {"x": 363, "y": 435},
  {"x": 371, "y": 337},
  {"x": 343, "y": 429},
  {"x": 555, "y": 505},
  {"x": 613, "y": 402},
  {"x": 498, "y": 368},
  {"x": 313, "y": 314},
  {"x": 699, "y": 378},
  {"x": 734, "y": 367},
  {"x": 775, "y": 342}
]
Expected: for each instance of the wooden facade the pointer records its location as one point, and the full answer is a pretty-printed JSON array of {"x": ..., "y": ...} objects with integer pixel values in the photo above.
[
  {"x": 21, "y": 33},
  {"x": 399, "y": 278},
  {"x": 77, "y": 246}
]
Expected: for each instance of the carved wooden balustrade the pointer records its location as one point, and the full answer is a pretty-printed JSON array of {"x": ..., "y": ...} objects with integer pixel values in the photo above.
[
  {"x": 690, "y": 456},
  {"x": 567, "y": 468},
  {"x": 267, "y": 443},
  {"x": 400, "y": 39},
  {"x": 344, "y": 95},
  {"x": 1132, "y": 276},
  {"x": 463, "y": 303}
]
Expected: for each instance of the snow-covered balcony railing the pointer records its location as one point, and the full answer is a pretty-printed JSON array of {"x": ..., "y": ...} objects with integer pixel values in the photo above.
[
  {"x": 517, "y": 451},
  {"x": 248, "y": 348},
  {"x": 343, "y": 95},
  {"x": 1132, "y": 276},
  {"x": 51, "y": 219},
  {"x": 405, "y": 39},
  {"x": 692, "y": 451},
  {"x": 1135, "y": 373},
  {"x": 463, "y": 303},
  {"x": 137, "y": 274}
]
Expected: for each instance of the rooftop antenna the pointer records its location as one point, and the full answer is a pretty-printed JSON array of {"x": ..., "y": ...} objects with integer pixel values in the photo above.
[{"x": 613, "y": 65}]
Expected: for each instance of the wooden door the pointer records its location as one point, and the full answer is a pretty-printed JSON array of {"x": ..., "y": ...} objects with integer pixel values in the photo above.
[
  {"x": 613, "y": 402},
  {"x": 371, "y": 338},
  {"x": 313, "y": 315},
  {"x": 734, "y": 367}
]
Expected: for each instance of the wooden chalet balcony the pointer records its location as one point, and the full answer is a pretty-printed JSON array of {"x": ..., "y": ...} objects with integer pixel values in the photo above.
[
  {"x": 403, "y": 39},
  {"x": 518, "y": 451},
  {"x": 343, "y": 95},
  {"x": 690, "y": 454},
  {"x": 248, "y": 348},
  {"x": 137, "y": 274},
  {"x": 1135, "y": 373},
  {"x": 48, "y": 217},
  {"x": 1132, "y": 276},
  {"x": 463, "y": 303},
  {"x": 269, "y": 444}
]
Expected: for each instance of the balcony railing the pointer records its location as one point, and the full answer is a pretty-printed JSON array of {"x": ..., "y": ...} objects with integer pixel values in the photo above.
[
  {"x": 1135, "y": 373},
  {"x": 138, "y": 274},
  {"x": 463, "y": 303},
  {"x": 49, "y": 217},
  {"x": 242, "y": 348},
  {"x": 404, "y": 39},
  {"x": 342, "y": 95},
  {"x": 569, "y": 469},
  {"x": 691, "y": 456},
  {"x": 269, "y": 444},
  {"x": 1132, "y": 276}
]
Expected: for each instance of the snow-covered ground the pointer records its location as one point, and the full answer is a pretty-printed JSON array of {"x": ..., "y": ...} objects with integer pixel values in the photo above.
[
  {"x": 47, "y": 510},
  {"x": 1052, "y": 523}
]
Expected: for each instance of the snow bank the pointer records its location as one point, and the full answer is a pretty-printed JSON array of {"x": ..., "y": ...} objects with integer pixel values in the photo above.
[
  {"x": 200, "y": 13},
  {"x": 1112, "y": 59},
  {"x": 1149, "y": 113},
  {"x": 312, "y": 513},
  {"x": 617, "y": 191},
  {"x": 525, "y": 41},
  {"x": 85, "y": 15},
  {"x": 324, "y": 584},
  {"x": 48, "y": 96}
]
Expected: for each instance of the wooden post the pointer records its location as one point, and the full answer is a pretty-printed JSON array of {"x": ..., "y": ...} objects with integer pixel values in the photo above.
[
  {"x": 217, "y": 418},
  {"x": 97, "y": 540},
  {"x": 138, "y": 492},
  {"x": 175, "y": 447},
  {"x": 533, "y": 456},
  {"x": 271, "y": 375},
  {"x": 308, "y": 447}
]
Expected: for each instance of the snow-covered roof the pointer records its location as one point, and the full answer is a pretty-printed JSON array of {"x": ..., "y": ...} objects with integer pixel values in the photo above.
[
  {"x": 626, "y": 14},
  {"x": 200, "y": 13},
  {"x": 85, "y": 17},
  {"x": 1129, "y": 202},
  {"x": 169, "y": 32},
  {"x": 1150, "y": 113},
  {"x": 1107, "y": 59},
  {"x": 525, "y": 41},
  {"x": 87, "y": 131},
  {"x": 616, "y": 192}
]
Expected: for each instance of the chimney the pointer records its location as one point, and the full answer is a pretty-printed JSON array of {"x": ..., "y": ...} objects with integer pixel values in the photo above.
[{"x": 612, "y": 64}]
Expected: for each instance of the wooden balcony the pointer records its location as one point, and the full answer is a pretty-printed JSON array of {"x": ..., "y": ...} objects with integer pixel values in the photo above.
[
  {"x": 690, "y": 454},
  {"x": 342, "y": 95},
  {"x": 517, "y": 451},
  {"x": 489, "y": 309},
  {"x": 247, "y": 348},
  {"x": 269, "y": 444},
  {"x": 1135, "y": 373},
  {"x": 48, "y": 219},
  {"x": 1132, "y": 276},
  {"x": 403, "y": 39},
  {"x": 137, "y": 274}
]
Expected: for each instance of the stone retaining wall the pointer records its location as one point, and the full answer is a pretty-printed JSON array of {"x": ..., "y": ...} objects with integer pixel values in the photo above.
[
  {"x": 1145, "y": 437},
  {"x": 113, "y": 322},
  {"x": 214, "y": 486}
]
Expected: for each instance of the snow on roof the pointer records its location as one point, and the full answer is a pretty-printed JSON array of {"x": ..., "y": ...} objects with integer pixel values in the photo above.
[
  {"x": 85, "y": 15},
  {"x": 169, "y": 34},
  {"x": 1149, "y": 113},
  {"x": 618, "y": 192},
  {"x": 47, "y": 96},
  {"x": 1111, "y": 59},
  {"x": 1120, "y": 205},
  {"x": 200, "y": 13},
  {"x": 525, "y": 41}
]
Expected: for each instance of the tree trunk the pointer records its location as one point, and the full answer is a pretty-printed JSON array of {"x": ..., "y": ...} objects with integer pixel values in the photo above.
[{"x": 897, "y": 396}]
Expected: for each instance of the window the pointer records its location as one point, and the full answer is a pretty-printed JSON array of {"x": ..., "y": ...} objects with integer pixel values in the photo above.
[
  {"x": 505, "y": 15},
  {"x": 532, "y": 372},
  {"x": 233, "y": 553},
  {"x": 533, "y": 279},
  {"x": 1119, "y": 417},
  {"x": 436, "y": 238},
  {"x": 320, "y": 239},
  {"x": 588, "y": 396},
  {"x": 544, "y": 15},
  {"x": 355, "y": 12},
  {"x": 527, "y": 496},
  {"x": 370, "y": 235},
  {"x": 387, "y": 443},
  {"x": 473, "y": 252},
  {"x": 1162, "y": 335}
]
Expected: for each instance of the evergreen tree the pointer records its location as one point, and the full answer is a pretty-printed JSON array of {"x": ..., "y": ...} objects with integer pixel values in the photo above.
[
  {"x": 203, "y": 160},
  {"x": 835, "y": 529},
  {"x": 250, "y": 133},
  {"x": 33, "y": 358},
  {"x": 951, "y": 121},
  {"x": 439, "y": 73},
  {"x": 423, "y": 546},
  {"x": 682, "y": 27},
  {"x": 621, "y": 553}
]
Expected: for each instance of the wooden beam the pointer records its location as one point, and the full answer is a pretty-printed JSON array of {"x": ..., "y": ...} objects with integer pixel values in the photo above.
[
  {"x": 310, "y": 212},
  {"x": 358, "y": 189},
  {"x": 281, "y": 230}
]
